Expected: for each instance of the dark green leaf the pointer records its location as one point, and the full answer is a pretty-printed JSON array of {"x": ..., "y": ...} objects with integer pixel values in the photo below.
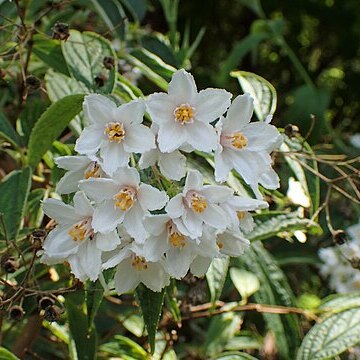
[
  {"x": 7, "y": 131},
  {"x": 51, "y": 124},
  {"x": 34, "y": 211},
  {"x": 14, "y": 190},
  {"x": 94, "y": 296},
  {"x": 151, "y": 305}
]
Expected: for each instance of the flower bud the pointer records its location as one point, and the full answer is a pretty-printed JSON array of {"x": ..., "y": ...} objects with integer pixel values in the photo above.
[
  {"x": 61, "y": 31},
  {"x": 16, "y": 313}
]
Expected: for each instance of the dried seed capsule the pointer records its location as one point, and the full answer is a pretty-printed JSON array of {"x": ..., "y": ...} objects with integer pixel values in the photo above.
[
  {"x": 52, "y": 313},
  {"x": 291, "y": 130},
  {"x": 61, "y": 31},
  {"x": 9, "y": 263},
  {"x": 32, "y": 83},
  {"x": 108, "y": 62},
  {"x": 37, "y": 237},
  {"x": 339, "y": 237},
  {"x": 16, "y": 313},
  {"x": 45, "y": 302}
]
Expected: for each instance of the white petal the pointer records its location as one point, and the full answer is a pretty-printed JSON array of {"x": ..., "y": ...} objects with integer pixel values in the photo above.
[
  {"x": 106, "y": 217},
  {"x": 99, "y": 189},
  {"x": 217, "y": 193},
  {"x": 211, "y": 104},
  {"x": 107, "y": 242},
  {"x": 59, "y": 244},
  {"x": 126, "y": 278},
  {"x": 193, "y": 223},
  {"x": 156, "y": 224},
  {"x": 194, "y": 181},
  {"x": 149, "y": 158},
  {"x": 90, "y": 140},
  {"x": 161, "y": 108},
  {"x": 113, "y": 156},
  {"x": 182, "y": 87},
  {"x": 133, "y": 222},
  {"x": 215, "y": 217},
  {"x": 130, "y": 113},
  {"x": 82, "y": 204},
  {"x": 69, "y": 183},
  {"x": 90, "y": 259},
  {"x": 60, "y": 212},
  {"x": 72, "y": 162},
  {"x": 117, "y": 257},
  {"x": 175, "y": 207},
  {"x": 155, "y": 247},
  {"x": 239, "y": 113},
  {"x": 98, "y": 108},
  {"x": 76, "y": 269},
  {"x": 154, "y": 277},
  {"x": 178, "y": 261},
  {"x": 222, "y": 166},
  {"x": 202, "y": 136},
  {"x": 127, "y": 176},
  {"x": 151, "y": 198},
  {"x": 270, "y": 179},
  {"x": 234, "y": 244},
  {"x": 200, "y": 266},
  {"x": 173, "y": 165},
  {"x": 247, "y": 204},
  {"x": 171, "y": 136},
  {"x": 247, "y": 223},
  {"x": 139, "y": 138},
  {"x": 261, "y": 136}
]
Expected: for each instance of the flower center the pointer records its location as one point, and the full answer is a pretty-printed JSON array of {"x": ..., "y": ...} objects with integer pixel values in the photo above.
[
  {"x": 175, "y": 237},
  {"x": 220, "y": 244},
  {"x": 240, "y": 215},
  {"x": 115, "y": 132},
  {"x": 93, "y": 171},
  {"x": 125, "y": 199},
  {"x": 184, "y": 114},
  {"x": 198, "y": 203},
  {"x": 81, "y": 230},
  {"x": 238, "y": 140},
  {"x": 139, "y": 263}
]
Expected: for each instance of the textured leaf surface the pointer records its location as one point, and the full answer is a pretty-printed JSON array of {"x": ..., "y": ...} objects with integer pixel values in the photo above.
[
  {"x": 263, "y": 93},
  {"x": 14, "y": 190},
  {"x": 340, "y": 302},
  {"x": 51, "y": 124},
  {"x": 151, "y": 305},
  {"x": 332, "y": 336},
  {"x": 84, "y": 54}
]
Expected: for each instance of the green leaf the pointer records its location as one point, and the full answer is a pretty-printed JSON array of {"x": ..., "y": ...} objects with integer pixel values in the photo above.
[
  {"x": 235, "y": 355},
  {"x": 94, "y": 296},
  {"x": 222, "y": 329},
  {"x": 14, "y": 190},
  {"x": 255, "y": 6},
  {"x": 84, "y": 54},
  {"x": 51, "y": 124},
  {"x": 269, "y": 225},
  {"x": 151, "y": 305},
  {"x": 263, "y": 93},
  {"x": 49, "y": 51},
  {"x": 332, "y": 336},
  {"x": 7, "y": 355},
  {"x": 246, "y": 283},
  {"x": 84, "y": 338},
  {"x": 7, "y": 131},
  {"x": 125, "y": 348},
  {"x": 216, "y": 277},
  {"x": 34, "y": 211},
  {"x": 340, "y": 302}
]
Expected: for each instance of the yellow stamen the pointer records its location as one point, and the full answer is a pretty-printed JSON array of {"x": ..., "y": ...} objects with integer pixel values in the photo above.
[
  {"x": 198, "y": 203},
  {"x": 93, "y": 171},
  {"x": 184, "y": 114},
  {"x": 240, "y": 215},
  {"x": 239, "y": 140},
  {"x": 125, "y": 199},
  {"x": 115, "y": 132},
  {"x": 78, "y": 232},
  {"x": 220, "y": 244},
  {"x": 139, "y": 263},
  {"x": 177, "y": 239}
]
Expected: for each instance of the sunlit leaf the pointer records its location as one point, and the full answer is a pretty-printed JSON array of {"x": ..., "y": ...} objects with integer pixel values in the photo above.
[
  {"x": 216, "y": 277},
  {"x": 246, "y": 283}
]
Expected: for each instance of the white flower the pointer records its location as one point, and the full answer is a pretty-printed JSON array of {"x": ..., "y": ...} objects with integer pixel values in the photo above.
[
  {"x": 296, "y": 193},
  {"x": 79, "y": 168},
  {"x": 354, "y": 232},
  {"x": 199, "y": 204},
  {"x": 74, "y": 239},
  {"x": 172, "y": 165},
  {"x": 184, "y": 114},
  {"x": 132, "y": 268},
  {"x": 123, "y": 199},
  {"x": 170, "y": 238},
  {"x": 244, "y": 146},
  {"x": 237, "y": 210},
  {"x": 115, "y": 131},
  {"x": 355, "y": 140}
]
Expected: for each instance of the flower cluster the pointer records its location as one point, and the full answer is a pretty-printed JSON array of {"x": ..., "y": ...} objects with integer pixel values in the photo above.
[
  {"x": 343, "y": 278},
  {"x": 119, "y": 220}
]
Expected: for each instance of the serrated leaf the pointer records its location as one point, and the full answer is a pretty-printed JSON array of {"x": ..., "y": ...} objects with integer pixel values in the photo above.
[
  {"x": 84, "y": 54},
  {"x": 51, "y": 124},
  {"x": 245, "y": 282},
  {"x": 268, "y": 225},
  {"x": 332, "y": 336},
  {"x": 151, "y": 305},
  {"x": 14, "y": 190},
  {"x": 7, "y": 355},
  {"x": 263, "y": 93},
  {"x": 216, "y": 277}
]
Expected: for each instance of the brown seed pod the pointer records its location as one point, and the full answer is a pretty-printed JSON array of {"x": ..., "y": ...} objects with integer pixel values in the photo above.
[
  {"x": 61, "y": 31},
  {"x": 32, "y": 83},
  {"x": 52, "y": 313},
  {"x": 45, "y": 302},
  {"x": 100, "y": 80},
  {"x": 16, "y": 313},
  {"x": 10, "y": 264},
  {"x": 339, "y": 237},
  {"x": 37, "y": 237},
  {"x": 291, "y": 130}
]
